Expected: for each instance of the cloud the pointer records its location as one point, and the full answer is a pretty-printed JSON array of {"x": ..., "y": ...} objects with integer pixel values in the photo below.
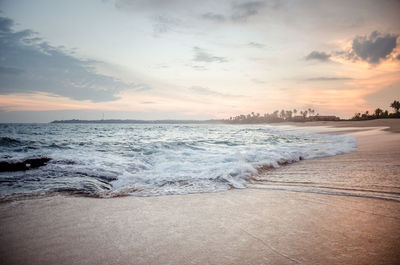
[
  {"x": 29, "y": 64},
  {"x": 163, "y": 24},
  {"x": 202, "y": 56},
  {"x": 140, "y": 87},
  {"x": 10, "y": 71},
  {"x": 398, "y": 57},
  {"x": 213, "y": 16},
  {"x": 374, "y": 48},
  {"x": 325, "y": 78},
  {"x": 256, "y": 45},
  {"x": 320, "y": 56},
  {"x": 198, "y": 67},
  {"x": 208, "y": 92},
  {"x": 163, "y": 14},
  {"x": 242, "y": 11},
  {"x": 6, "y": 24},
  {"x": 162, "y": 5}
]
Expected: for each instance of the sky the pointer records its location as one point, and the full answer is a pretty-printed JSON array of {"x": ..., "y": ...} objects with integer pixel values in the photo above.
[{"x": 183, "y": 59}]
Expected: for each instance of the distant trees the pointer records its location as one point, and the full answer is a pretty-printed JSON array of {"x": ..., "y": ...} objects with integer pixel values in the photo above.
[
  {"x": 309, "y": 115},
  {"x": 379, "y": 113},
  {"x": 311, "y": 111},
  {"x": 278, "y": 116},
  {"x": 289, "y": 114},
  {"x": 396, "y": 106}
]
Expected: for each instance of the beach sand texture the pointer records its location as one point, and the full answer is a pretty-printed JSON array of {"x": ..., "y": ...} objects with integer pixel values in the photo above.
[{"x": 258, "y": 225}]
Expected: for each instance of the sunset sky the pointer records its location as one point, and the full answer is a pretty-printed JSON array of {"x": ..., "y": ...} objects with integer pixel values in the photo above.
[{"x": 176, "y": 59}]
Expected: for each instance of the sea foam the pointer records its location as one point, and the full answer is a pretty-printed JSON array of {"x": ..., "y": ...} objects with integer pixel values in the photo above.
[{"x": 112, "y": 160}]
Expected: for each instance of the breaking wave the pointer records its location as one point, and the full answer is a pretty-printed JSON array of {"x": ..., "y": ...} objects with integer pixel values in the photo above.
[{"x": 147, "y": 160}]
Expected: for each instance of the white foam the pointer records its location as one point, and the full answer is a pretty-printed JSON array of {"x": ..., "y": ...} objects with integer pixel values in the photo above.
[
  {"x": 169, "y": 159},
  {"x": 178, "y": 167}
]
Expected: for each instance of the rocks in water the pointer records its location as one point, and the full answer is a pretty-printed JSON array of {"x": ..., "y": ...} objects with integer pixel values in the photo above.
[{"x": 23, "y": 165}]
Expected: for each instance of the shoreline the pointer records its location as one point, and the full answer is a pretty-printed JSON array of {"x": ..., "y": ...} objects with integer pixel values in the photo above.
[
  {"x": 252, "y": 226},
  {"x": 392, "y": 125}
]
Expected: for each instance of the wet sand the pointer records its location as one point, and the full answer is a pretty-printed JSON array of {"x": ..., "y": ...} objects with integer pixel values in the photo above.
[
  {"x": 249, "y": 226},
  {"x": 392, "y": 125}
]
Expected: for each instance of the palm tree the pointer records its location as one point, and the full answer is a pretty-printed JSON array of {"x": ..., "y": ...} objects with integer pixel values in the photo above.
[
  {"x": 385, "y": 114},
  {"x": 288, "y": 114},
  {"x": 283, "y": 114},
  {"x": 294, "y": 111},
  {"x": 378, "y": 113},
  {"x": 395, "y": 105}
]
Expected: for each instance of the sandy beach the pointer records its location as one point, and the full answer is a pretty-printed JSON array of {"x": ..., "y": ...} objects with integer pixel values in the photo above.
[{"x": 258, "y": 225}]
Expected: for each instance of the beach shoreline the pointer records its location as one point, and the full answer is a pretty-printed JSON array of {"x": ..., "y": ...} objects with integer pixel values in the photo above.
[
  {"x": 391, "y": 125},
  {"x": 239, "y": 226}
]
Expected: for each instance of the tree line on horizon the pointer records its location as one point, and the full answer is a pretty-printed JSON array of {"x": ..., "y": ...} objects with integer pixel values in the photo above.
[
  {"x": 308, "y": 115},
  {"x": 379, "y": 113},
  {"x": 276, "y": 116}
]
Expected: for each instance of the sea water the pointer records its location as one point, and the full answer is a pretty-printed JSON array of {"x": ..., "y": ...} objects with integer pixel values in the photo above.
[{"x": 106, "y": 160}]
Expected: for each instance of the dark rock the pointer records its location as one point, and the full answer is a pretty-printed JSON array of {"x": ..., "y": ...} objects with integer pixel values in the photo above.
[{"x": 23, "y": 165}]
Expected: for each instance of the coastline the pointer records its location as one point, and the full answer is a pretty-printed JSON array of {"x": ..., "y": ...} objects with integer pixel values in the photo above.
[
  {"x": 247, "y": 226},
  {"x": 391, "y": 125}
]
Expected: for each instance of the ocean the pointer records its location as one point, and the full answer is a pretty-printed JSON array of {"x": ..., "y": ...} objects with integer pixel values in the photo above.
[{"x": 106, "y": 160}]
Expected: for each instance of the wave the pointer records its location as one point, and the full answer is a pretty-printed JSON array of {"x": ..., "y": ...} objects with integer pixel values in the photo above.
[
  {"x": 9, "y": 142},
  {"x": 153, "y": 160}
]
